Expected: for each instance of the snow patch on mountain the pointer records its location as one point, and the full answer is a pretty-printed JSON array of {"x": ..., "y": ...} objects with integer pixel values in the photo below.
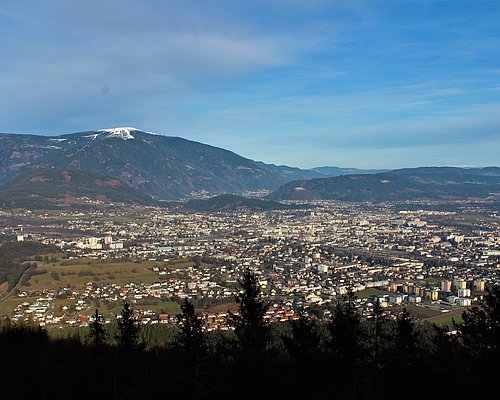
[
  {"x": 124, "y": 132},
  {"x": 121, "y": 133}
]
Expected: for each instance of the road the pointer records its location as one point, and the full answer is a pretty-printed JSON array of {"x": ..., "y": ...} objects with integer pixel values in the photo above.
[{"x": 17, "y": 285}]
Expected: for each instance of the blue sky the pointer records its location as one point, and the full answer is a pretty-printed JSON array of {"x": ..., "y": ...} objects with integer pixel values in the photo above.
[{"x": 369, "y": 84}]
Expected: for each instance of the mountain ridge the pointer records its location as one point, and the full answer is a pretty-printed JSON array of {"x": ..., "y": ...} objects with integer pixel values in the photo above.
[
  {"x": 164, "y": 167},
  {"x": 173, "y": 168},
  {"x": 403, "y": 184}
]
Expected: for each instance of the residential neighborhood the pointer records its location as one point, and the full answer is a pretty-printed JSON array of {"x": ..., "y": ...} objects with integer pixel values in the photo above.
[{"x": 433, "y": 262}]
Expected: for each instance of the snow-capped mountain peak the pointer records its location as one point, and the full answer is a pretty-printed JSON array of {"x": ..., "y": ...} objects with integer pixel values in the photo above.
[{"x": 121, "y": 133}]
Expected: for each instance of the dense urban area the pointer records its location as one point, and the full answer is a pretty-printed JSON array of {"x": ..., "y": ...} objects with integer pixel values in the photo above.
[{"x": 435, "y": 260}]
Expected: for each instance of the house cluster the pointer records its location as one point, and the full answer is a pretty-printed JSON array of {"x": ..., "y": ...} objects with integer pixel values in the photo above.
[{"x": 303, "y": 259}]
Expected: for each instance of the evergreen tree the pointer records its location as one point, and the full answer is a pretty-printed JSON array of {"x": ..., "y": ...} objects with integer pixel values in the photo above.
[
  {"x": 405, "y": 337},
  {"x": 480, "y": 329},
  {"x": 250, "y": 327},
  {"x": 191, "y": 336},
  {"x": 97, "y": 333},
  {"x": 306, "y": 342},
  {"x": 346, "y": 329},
  {"x": 129, "y": 329},
  {"x": 378, "y": 326}
]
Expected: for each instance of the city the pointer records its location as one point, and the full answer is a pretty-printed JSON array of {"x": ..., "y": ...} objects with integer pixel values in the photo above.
[
  {"x": 252, "y": 199},
  {"x": 434, "y": 263}
]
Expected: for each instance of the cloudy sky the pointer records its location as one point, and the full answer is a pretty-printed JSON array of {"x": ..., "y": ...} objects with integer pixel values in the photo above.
[{"x": 306, "y": 83}]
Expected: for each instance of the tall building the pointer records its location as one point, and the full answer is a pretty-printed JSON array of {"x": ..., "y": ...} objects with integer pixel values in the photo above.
[
  {"x": 459, "y": 283},
  {"x": 479, "y": 285}
]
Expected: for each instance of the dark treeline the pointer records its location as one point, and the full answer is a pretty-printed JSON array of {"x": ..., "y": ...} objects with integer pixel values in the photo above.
[
  {"x": 15, "y": 257},
  {"x": 348, "y": 357}
]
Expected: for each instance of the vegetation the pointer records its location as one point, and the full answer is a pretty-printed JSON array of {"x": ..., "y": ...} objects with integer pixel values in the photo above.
[
  {"x": 249, "y": 324},
  {"x": 161, "y": 166},
  {"x": 97, "y": 336},
  {"x": 230, "y": 202},
  {"x": 348, "y": 358},
  {"x": 397, "y": 185},
  {"x": 15, "y": 258},
  {"x": 52, "y": 188},
  {"x": 191, "y": 337},
  {"x": 129, "y": 329}
]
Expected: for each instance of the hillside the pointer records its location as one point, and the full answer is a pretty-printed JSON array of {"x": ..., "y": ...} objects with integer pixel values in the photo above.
[
  {"x": 52, "y": 188},
  {"x": 13, "y": 256},
  {"x": 230, "y": 202},
  {"x": 403, "y": 184},
  {"x": 165, "y": 167}
]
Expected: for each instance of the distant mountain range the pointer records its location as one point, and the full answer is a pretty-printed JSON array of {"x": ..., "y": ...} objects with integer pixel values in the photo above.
[
  {"x": 163, "y": 167},
  {"x": 133, "y": 166},
  {"x": 402, "y": 184}
]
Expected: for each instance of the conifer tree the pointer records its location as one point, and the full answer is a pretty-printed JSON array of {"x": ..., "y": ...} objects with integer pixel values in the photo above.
[
  {"x": 191, "y": 336},
  {"x": 129, "y": 329},
  {"x": 480, "y": 329},
  {"x": 250, "y": 327},
  {"x": 345, "y": 329},
  {"x": 378, "y": 322},
  {"x": 405, "y": 337},
  {"x": 306, "y": 342},
  {"x": 97, "y": 333},
  {"x": 192, "y": 340}
]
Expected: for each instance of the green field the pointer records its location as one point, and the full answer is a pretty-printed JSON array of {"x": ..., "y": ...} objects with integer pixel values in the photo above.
[
  {"x": 7, "y": 307},
  {"x": 75, "y": 274},
  {"x": 419, "y": 312},
  {"x": 53, "y": 276},
  {"x": 477, "y": 218},
  {"x": 433, "y": 279},
  {"x": 364, "y": 294},
  {"x": 158, "y": 306},
  {"x": 446, "y": 319},
  {"x": 221, "y": 308}
]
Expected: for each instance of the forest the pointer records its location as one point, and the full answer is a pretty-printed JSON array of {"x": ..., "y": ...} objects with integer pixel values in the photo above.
[
  {"x": 346, "y": 357},
  {"x": 15, "y": 258}
]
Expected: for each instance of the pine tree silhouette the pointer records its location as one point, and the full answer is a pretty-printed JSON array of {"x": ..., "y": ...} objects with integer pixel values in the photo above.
[
  {"x": 250, "y": 327},
  {"x": 480, "y": 329},
  {"x": 346, "y": 330},
  {"x": 97, "y": 336},
  {"x": 192, "y": 337},
  {"x": 378, "y": 326},
  {"x": 129, "y": 329},
  {"x": 405, "y": 338}
]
